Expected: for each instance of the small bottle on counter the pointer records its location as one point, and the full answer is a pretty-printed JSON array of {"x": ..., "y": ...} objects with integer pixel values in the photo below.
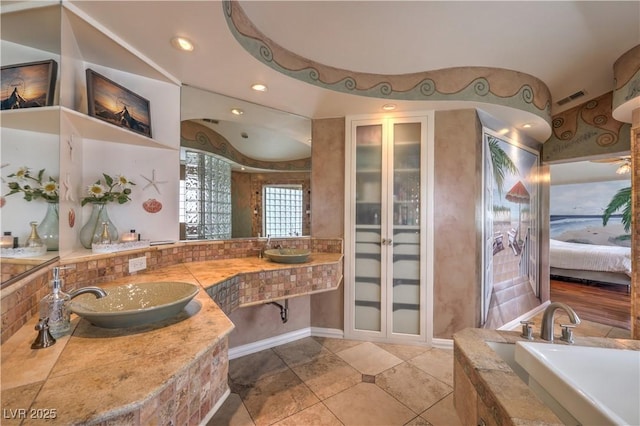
[
  {"x": 54, "y": 306},
  {"x": 105, "y": 238},
  {"x": 129, "y": 236},
  {"x": 34, "y": 239}
]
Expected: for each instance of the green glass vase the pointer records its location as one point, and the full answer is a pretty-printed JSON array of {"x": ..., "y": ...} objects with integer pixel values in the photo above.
[
  {"x": 92, "y": 231},
  {"x": 49, "y": 227}
]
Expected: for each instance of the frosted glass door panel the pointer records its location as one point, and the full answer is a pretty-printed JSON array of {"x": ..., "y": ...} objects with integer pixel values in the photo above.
[
  {"x": 369, "y": 219},
  {"x": 406, "y": 228}
]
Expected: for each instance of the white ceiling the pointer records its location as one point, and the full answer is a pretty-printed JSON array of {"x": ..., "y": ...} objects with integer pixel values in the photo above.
[
  {"x": 585, "y": 172},
  {"x": 569, "y": 45}
]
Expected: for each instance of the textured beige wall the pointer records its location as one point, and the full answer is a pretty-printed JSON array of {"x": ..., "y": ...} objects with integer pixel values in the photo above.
[
  {"x": 635, "y": 224},
  {"x": 241, "y": 208},
  {"x": 327, "y": 208},
  {"x": 263, "y": 321},
  {"x": 457, "y": 226}
]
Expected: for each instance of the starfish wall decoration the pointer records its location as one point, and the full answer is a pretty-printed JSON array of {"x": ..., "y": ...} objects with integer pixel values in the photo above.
[{"x": 153, "y": 182}]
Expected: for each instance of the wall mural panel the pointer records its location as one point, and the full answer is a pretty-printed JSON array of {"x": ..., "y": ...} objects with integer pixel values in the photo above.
[
  {"x": 510, "y": 282},
  {"x": 481, "y": 84},
  {"x": 576, "y": 212}
]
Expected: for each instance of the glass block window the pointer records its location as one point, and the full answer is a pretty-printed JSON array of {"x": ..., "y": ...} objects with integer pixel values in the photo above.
[
  {"x": 181, "y": 214},
  {"x": 282, "y": 210},
  {"x": 207, "y": 194}
]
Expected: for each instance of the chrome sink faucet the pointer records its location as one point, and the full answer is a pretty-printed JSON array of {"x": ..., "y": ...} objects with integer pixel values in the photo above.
[
  {"x": 546, "y": 329},
  {"x": 266, "y": 246},
  {"x": 96, "y": 291}
]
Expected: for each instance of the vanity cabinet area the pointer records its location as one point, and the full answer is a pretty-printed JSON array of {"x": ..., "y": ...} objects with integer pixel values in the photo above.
[
  {"x": 75, "y": 147},
  {"x": 386, "y": 256}
]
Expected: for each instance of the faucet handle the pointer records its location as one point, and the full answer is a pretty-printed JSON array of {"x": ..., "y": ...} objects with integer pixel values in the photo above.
[
  {"x": 44, "y": 338},
  {"x": 567, "y": 332},
  {"x": 527, "y": 331}
]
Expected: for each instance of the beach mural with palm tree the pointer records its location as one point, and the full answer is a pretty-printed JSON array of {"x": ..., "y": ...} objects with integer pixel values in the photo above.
[
  {"x": 592, "y": 213},
  {"x": 510, "y": 283}
]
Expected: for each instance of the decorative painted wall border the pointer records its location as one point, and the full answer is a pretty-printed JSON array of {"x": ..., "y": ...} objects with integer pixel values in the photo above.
[
  {"x": 197, "y": 136},
  {"x": 586, "y": 130},
  {"x": 626, "y": 73},
  {"x": 479, "y": 84}
]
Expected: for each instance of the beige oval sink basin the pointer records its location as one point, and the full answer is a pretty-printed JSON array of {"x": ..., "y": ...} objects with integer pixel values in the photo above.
[
  {"x": 285, "y": 255},
  {"x": 130, "y": 305}
]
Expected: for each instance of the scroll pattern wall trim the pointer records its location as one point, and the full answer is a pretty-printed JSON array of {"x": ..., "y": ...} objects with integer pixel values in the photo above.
[
  {"x": 586, "y": 130},
  {"x": 626, "y": 71},
  {"x": 197, "y": 136},
  {"x": 479, "y": 84}
]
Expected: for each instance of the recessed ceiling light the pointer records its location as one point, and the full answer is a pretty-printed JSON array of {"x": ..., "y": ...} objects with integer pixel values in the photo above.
[
  {"x": 389, "y": 107},
  {"x": 259, "y": 87},
  {"x": 526, "y": 126},
  {"x": 182, "y": 43},
  {"x": 237, "y": 111}
]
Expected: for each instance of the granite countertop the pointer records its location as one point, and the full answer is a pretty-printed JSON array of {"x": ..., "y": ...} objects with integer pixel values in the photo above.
[
  {"x": 509, "y": 399},
  {"x": 79, "y": 375},
  {"x": 216, "y": 271}
]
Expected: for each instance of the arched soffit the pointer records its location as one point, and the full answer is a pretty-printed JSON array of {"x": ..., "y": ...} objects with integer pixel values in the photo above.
[
  {"x": 626, "y": 93},
  {"x": 587, "y": 130},
  {"x": 497, "y": 86},
  {"x": 200, "y": 137}
]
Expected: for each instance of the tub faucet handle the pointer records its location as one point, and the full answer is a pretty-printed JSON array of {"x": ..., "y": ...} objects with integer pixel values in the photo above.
[
  {"x": 567, "y": 332},
  {"x": 527, "y": 330}
]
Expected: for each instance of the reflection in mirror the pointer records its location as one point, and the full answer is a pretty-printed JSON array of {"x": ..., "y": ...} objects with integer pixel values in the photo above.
[
  {"x": 242, "y": 175},
  {"x": 30, "y": 177}
]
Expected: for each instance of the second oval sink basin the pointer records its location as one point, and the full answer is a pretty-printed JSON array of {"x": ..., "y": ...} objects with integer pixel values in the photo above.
[
  {"x": 130, "y": 305},
  {"x": 285, "y": 255}
]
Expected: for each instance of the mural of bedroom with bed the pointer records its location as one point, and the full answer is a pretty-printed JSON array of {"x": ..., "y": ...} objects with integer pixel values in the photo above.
[
  {"x": 590, "y": 222},
  {"x": 590, "y": 238}
]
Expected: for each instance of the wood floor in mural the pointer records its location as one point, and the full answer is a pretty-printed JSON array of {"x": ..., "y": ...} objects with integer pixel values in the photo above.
[{"x": 605, "y": 304}]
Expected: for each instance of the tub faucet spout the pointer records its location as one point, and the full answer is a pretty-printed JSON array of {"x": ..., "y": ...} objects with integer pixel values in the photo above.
[{"x": 546, "y": 329}]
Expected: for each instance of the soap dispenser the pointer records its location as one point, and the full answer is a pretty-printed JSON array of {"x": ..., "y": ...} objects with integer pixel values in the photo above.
[{"x": 55, "y": 307}]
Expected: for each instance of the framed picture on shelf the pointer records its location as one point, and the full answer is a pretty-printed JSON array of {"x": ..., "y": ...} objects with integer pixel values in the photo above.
[
  {"x": 117, "y": 105},
  {"x": 28, "y": 85}
]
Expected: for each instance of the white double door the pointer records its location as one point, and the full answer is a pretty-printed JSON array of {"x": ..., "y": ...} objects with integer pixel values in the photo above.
[{"x": 385, "y": 240}]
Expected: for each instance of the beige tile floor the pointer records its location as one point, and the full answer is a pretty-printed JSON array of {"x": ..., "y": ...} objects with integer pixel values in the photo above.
[{"x": 321, "y": 381}]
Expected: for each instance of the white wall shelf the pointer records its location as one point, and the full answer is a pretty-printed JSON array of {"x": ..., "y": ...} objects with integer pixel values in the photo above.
[
  {"x": 88, "y": 146},
  {"x": 42, "y": 120}
]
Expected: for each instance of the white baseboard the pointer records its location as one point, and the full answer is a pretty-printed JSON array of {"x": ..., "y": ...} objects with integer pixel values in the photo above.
[
  {"x": 292, "y": 336},
  {"x": 215, "y": 408},
  {"x": 334, "y": 333},
  {"x": 260, "y": 345},
  {"x": 442, "y": 343}
]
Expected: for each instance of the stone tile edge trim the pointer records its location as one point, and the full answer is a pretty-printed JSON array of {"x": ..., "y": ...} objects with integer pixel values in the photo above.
[{"x": 19, "y": 301}]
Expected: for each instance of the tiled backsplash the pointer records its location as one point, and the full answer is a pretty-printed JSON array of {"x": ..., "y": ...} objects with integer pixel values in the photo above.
[{"x": 20, "y": 300}]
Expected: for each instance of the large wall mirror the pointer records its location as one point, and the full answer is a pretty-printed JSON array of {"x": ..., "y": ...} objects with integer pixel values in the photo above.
[
  {"x": 245, "y": 169},
  {"x": 29, "y": 160}
]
